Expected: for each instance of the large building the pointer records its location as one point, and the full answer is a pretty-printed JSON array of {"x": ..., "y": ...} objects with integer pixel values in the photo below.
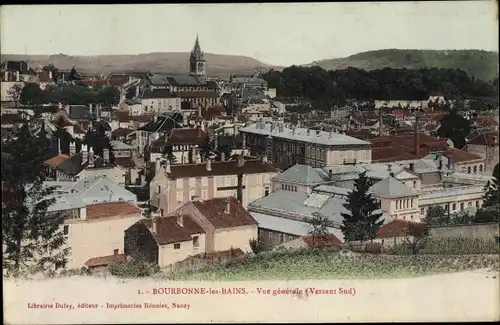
[{"x": 286, "y": 146}]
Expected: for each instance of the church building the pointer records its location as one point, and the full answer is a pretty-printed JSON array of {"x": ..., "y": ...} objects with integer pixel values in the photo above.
[{"x": 194, "y": 89}]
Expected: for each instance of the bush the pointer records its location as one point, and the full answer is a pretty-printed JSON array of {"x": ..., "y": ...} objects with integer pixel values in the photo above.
[
  {"x": 80, "y": 271},
  {"x": 256, "y": 246},
  {"x": 449, "y": 246},
  {"x": 133, "y": 269}
]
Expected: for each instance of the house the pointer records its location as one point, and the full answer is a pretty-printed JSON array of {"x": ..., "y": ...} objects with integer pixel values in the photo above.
[
  {"x": 399, "y": 232},
  {"x": 97, "y": 230},
  {"x": 286, "y": 147},
  {"x": 121, "y": 134},
  {"x": 153, "y": 130},
  {"x": 100, "y": 264},
  {"x": 160, "y": 101},
  {"x": 461, "y": 160},
  {"x": 300, "y": 178},
  {"x": 485, "y": 145},
  {"x": 51, "y": 164},
  {"x": 226, "y": 222},
  {"x": 120, "y": 149},
  {"x": 174, "y": 185},
  {"x": 275, "y": 231},
  {"x": 70, "y": 168},
  {"x": 164, "y": 240},
  {"x": 183, "y": 143}
]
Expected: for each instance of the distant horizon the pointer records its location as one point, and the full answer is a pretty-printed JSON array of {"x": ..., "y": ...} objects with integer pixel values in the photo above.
[
  {"x": 277, "y": 34},
  {"x": 236, "y": 55}
]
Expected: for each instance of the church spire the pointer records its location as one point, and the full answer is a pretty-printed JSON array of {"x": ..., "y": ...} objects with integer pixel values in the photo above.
[
  {"x": 197, "y": 53},
  {"x": 196, "y": 60}
]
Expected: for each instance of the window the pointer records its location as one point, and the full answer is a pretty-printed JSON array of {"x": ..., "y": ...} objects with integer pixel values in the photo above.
[
  {"x": 468, "y": 169},
  {"x": 290, "y": 238},
  {"x": 454, "y": 206},
  {"x": 270, "y": 236},
  {"x": 177, "y": 245},
  {"x": 477, "y": 204},
  {"x": 480, "y": 168},
  {"x": 461, "y": 206},
  {"x": 282, "y": 186},
  {"x": 159, "y": 189},
  {"x": 161, "y": 212},
  {"x": 266, "y": 192},
  {"x": 196, "y": 241},
  {"x": 470, "y": 204},
  {"x": 66, "y": 230},
  {"x": 115, "y": 252},
  {"x": 415, "y": 184},
  {"x": 475, "y": 169}
]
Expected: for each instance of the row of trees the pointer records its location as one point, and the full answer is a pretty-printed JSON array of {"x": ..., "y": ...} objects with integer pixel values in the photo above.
[
  {"x": 71, "y": 94},
  {"x": 334, "y": 87}
]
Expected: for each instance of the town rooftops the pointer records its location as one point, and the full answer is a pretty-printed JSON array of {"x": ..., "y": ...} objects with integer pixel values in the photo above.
[
  {"x": 121, "y": 132},
  {"x": 111, "y": 209},
  {"x": 229, "y": 167},
  {"x": 390, "y": 187},
  {"x": 118, "y": 145},
  {"x": 303, "y": 135},
  {"x": 163, "y": 123},
  {"x": 459, "y": 156},
  {"x": 170, "y": 80},
  {"x": 79, "y": 112},
  {"x": 224, "y": 212},
  {"x": 172, "y": 229},
  {"x": 485, "y": 139},
  {"x": 186, "y": 136},
  {"x": 199, "y": 94}
]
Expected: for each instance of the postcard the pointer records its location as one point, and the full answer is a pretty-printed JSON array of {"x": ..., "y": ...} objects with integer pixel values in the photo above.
[{"x": 256, "y": 162}]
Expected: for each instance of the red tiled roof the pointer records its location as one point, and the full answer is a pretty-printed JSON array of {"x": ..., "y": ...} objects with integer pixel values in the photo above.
[
  {"x": 198, "y": 94},
  {"x": 401, "y": 228},
  {"x": 457, "y": 155},
  {"x": 401, "y": 112},
  {"x": 168, "y": 230},
  {"x": 486, "y": 121},
  {"x": 43, "y": 76},
  {"x": 105, "y": 260},
  {"x": 486, "y": 139},
  {"x": 208, "y": 113},
  {"x": 321, "y": 240},
  {"x": 186, "y": 136},
  {"x": 388, "y": 154},
  {"x": 55, "y": 161},
  {"x": 118, "y": 80},
  {"x": 215, "y": 211},
  {"x": 111, "y": 209},
  {"x": 221, "y": 168}
]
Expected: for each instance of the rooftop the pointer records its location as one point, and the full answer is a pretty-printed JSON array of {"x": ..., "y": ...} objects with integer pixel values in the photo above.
[
  {"x": 401, "y": 228},
  {"x": 391, "y": 187},
  {"x": 303, "y": 134},
  {"x": 303, "y": 174},
  {"x": 169, "y": 230},
  {"x": 215, "y": 211},
  {"x": 111, "y": 209},
  {"x": 105, "y": 260}
]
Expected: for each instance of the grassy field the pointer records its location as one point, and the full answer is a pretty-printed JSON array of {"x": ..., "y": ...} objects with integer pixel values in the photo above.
[{"x": 307, "y": 264}]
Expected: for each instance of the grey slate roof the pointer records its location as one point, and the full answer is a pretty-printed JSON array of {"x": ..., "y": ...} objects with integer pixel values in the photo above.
[
  {"x": 158, "y": 79},
  {"x": 73, "y": 165},
  {"x": 158, "y": 93},
  {"x": 163, "y": 124},
  {"x": 303, "y": 174},
  {"x": 301, "y": 134},
  {"x": 450, "y": 191},
  {"x": 288, "y": 226},
  {"x": 249, "y": 80},
  {"x": 119, "y": 145},
  {"x": 331, "y": 190},
  {"x": 422, "y": 166},
  {"x": 391, "y": 187}
]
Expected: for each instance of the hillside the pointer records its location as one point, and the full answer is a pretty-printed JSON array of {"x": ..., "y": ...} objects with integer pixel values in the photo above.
[
  {"x": 175, "y": 63},
  {"x": 480, "y": 64}
]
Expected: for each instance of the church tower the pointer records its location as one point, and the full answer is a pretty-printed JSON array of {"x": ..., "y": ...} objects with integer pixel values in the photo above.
[{"x": 196, "y": 61}]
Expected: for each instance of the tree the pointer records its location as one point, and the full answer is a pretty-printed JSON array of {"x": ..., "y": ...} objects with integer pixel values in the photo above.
[
  {"x": 362, "y": 221},
  {"x": 31, "y": 94},
  {"x": 14, "y": 92},
  {"x": 256, "y": 246},
  {"x": 108, "y": 96},
  {"x": 436, "y": 215},
  {"x": 31, "y": 236},
  {"x": 98, "y": 141},
  {"x": 454, "y": 127},
  {"x": 319, "y": 227},
  {"x": 73, "y": 75},
  {"x": 490, "y": 210}
]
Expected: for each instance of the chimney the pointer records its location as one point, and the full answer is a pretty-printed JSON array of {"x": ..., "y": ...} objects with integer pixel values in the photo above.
[
  {"x": 180, "y": 221},
  {"x": 137, "y": 89},
  {"x": 17, "y": 76},
  {"x": 154, "y": 224},
  {"x": 50, "y": 75},
  {"x": 216, "y": 141},
  {"x": 91, "y": 158},
  {"x": 85, "y": 154},
  {"x": 239, "y": 189},
  {"x": 209, "y": 164},
  {"x": 6, "y": 76},
  {"x": 167, "y": 166},
  {"x": 417, "y": 136},
  {"x": 105, "y": 155},
  {"x": 222, "y": 156},
  {"x": 193, "y": 155},
  {"x": 244, "y": 141},
  {"x": 59, "y": 145},
  {"x": 227, "y": 205},
  {"x": 308, "y": 131},
  {"x": 241, "y": 161},
  {"x": 72, "y": 148},
  {"x": 440, "y": 164},
  {"x": 157, "y": 164},
  {"x": 412, "y": 167},
  {"x": 389, "y": 169},
  {"x": 264, "y": 159},
  {"x": 330, "y": 174},
  {"x": 199, "y": 111},
  {"x": 380, "y": 125}
]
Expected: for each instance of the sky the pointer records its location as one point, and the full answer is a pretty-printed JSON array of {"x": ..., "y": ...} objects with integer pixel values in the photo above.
[{"x": 278, "y": 34}]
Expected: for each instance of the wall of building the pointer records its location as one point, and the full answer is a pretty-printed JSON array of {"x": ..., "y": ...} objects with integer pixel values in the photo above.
[
  {"x": 270, "y": 238},
  {"x": 239, "y": 237},
  {"x": 480, "y": 231},
  {"x": 490, "y": 153},
  {"x": 140, "y": 244},
  {"x": 115, "y": 175},
  {"x": 168, "y": 255},
  {"x": 453, "y": 202},
  {"x": 93, "y": 238},
  {"x": 279, "y": 185}
]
